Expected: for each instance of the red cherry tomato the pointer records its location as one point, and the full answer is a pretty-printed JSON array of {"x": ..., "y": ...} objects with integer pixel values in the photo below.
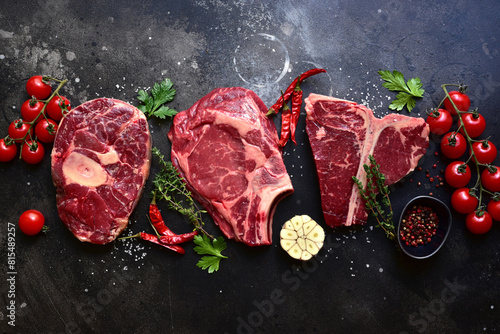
[
  {"x": 18, "y": 130},
  {"x": 463, "y": 202},
  {"x": 46, "y": 130},
  {"x": 32, "y": 152},
  {"x": 474, "y": 124},
  {"x": 35, "y": 86},
  {"x": 461, "y": 100},
  {"x": 485, "y": 151},
  {"x": 491, "y": 180},
  {"x": 439, "y": 121},
  {"x": 31, "y": 222},
  {"x": 30, "y": 110},
  {"x": 7, "y": 152},
  {"x": 478, "y": 223},
  {"x": 453, "y": 145},
  {"x": 55, "y": 107},
  {"x": 493, "y": 209},
  {"x": 457, "y": 174}
]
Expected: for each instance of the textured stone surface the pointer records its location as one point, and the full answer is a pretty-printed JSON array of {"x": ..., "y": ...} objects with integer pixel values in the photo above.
[{"x": 359, "y": 283}]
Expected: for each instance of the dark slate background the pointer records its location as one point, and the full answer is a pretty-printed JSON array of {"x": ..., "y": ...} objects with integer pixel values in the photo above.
[{"x": 359, "y": 283}]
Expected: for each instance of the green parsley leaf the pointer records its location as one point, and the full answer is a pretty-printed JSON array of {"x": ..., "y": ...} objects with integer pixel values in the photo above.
[
  {"x": 212, "y": 249},
  {"x": 408, "y": 91},
  {"x": 164, "y": 111},
  {"x": 161, "y": 93}
]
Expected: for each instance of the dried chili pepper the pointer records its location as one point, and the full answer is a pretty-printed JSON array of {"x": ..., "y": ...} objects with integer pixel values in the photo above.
[
  {"x": 157, "y": 220},
  {"x": 166, "y": 235},
  {"x": 155, "y": 239},
  {"x": 288, "y": 92},
  {"x": 296, "y": 104},
  {"x": 286, "y": 119},
  {"x": 178, "y": 238}
]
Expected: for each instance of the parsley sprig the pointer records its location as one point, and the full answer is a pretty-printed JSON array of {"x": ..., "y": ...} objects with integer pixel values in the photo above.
[
  {"x": 213, "y": 250},
  {"x": 375, "y": 185},
  {"x": 408, "y": 91},
  {"x": 153, "y": 105},
  {"x": 170, "y": 187}
]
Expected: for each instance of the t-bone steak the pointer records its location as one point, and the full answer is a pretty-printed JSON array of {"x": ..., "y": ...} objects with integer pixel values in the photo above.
[
  {"x": 100, "y": 162},
  {"x": 342, "y": 135},
  {"x": 227, "y": 151}
]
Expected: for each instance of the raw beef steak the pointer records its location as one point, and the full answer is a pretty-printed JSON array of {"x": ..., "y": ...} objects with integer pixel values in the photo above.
[
  {"x": 100, "y": 162},
  {"x": 342, "y": 135},
  {"x": 226, "y": 149}
]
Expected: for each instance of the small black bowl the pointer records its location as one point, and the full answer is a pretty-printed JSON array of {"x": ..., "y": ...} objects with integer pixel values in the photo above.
[{"x": 444, "y": 225}]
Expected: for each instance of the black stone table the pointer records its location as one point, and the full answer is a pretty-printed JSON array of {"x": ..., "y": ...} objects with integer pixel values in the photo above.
[{"x": 358, "y": 283}]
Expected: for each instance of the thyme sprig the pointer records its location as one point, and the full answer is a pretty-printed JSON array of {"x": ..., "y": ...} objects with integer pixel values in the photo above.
[
  {"x": 374, "y": 189},
  {"x": 170, "y": 187}
]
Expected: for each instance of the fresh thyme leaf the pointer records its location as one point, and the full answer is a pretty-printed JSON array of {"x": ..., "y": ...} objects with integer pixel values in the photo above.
[
  {"x": 153, "y": 105},
  {"x": 408, "y": 91}
]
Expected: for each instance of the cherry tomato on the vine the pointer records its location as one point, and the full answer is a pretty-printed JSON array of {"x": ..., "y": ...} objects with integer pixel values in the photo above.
[
  {"x": 461, "y": 100},
  {"x": 463, "y": 202},
  {"x": 485, "y": 151},
  {"x": 31, "y": 222},
  {"x": 457, "y": 174},
  {"x": 18, "y": 130},
  {"x": 493, "y": 209},
  {"x": 46, "y": 130},
  {"x": 7, "y": 152},
  {"x": 478, "y": 222},
  {"x": 30, "y": 109},
  {"x": 439, "y": 121},
  {"x": 55, "y": 107},
  {"x": 453, "y": 145},
  {"x": 35, "y": 86},
  {"x": 32, "y": 152},
  {"x": 474, "y": 124},
  {"x": 491, "y": 180}
]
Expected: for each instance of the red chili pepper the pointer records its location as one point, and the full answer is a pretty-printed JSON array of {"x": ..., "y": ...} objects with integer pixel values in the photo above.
[
  {"x": 286, "y": 119},
  {"x": 178, "y": 238},
  {"x": 296, "y": 104},
  {"x": 167, "y": 236},
  {"x": 157, "y": 220},
  {"x": 154, "y": 239},
  {"x": 288, "y": 92}
]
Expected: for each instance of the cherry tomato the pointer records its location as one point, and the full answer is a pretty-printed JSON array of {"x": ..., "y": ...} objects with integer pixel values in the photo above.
[
  {"x": 457, "y": 174},
  {"x": 31, "y": 222},
  {"x": 7, "y": 152},
  {"x": 493, "y": 209},
  {"x": 453, "y": 145},
  {"x": 30, "y": 109},
  {"x": 18, "y": 130},
  {"x": 461, "y": 100},
  {"x": 478, "y": 223},
  {"x": 491, "y": 180},
  {"x": 38, "y": 88},
  {"x": 32, "y": 152},
  {"x": 440, "y": 121},
  {"x": 474, "y": 123},
  {"x": 55, "y": 107},
  {"x": 46, "y": 130},
  {"x": 463, "y": 202},
  {"x": 485, "y": 151}
]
